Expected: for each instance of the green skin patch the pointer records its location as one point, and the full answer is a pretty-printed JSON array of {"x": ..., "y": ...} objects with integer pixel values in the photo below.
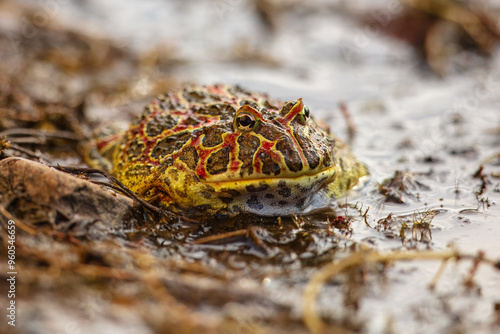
[{"x": 220, "y": 150}]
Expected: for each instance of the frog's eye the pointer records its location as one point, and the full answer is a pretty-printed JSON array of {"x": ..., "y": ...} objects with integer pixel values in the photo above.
[
  {"x": 303, "y": 115},
  {"x": 245, "y": 122}
]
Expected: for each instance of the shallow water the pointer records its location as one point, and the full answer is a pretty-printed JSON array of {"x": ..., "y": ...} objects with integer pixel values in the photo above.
[{"x": 406, "y": 118}]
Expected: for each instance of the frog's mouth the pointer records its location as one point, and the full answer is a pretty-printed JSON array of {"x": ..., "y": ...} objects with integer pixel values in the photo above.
[
  {"x": 283, "y": 196},
  {"x": 298, "y": 179},
  {"x": 280, "y": 196},
  {"x": 274, "y": 196}
]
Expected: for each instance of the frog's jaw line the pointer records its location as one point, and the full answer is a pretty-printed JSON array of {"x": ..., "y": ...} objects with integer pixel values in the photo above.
[
  {"x": 267, "y": 197},
  {"x": 299, "y": 179}
]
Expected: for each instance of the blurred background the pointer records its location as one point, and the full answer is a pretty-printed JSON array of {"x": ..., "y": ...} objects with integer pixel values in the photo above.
[{"x": 412, "y": 85}]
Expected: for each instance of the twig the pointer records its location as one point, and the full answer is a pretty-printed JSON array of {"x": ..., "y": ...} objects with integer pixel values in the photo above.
[
  {"x": 30, "y": 153},
  {"x": 221, "y": 236},
  {"x": 67, "y": 135},
  {"x": 19, "y": 223},
  {"x": 438, "y": 274},
  {"x": 310, "y": 316},
  {"x": 351, "y": 127}
]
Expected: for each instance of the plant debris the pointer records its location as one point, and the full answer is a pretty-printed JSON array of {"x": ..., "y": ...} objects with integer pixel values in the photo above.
[
  {"x": 92, "y": 256},
  {"x": 367, "y": 258},
  {"x": 36, "y": 194},
  {"x": 401, "y": 187}
]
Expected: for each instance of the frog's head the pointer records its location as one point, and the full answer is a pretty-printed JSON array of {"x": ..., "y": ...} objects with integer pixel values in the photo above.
[
  {"x": 266, "y": 143},
  {"x": 264, "y": 160}
]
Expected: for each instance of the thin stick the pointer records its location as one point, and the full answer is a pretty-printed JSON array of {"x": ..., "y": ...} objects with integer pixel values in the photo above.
[
  {"x": 438, "y": 274},
  {"x": 68, "y": 135},
  {"x": 221, "y": 236},
  {"x": 310, "y": 316},
  {"x": 19, "y": 223},
  {"x": 29, "y": 153}
]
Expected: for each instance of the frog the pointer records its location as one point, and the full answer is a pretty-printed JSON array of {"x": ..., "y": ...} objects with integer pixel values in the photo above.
[{"x": 222, "y": 151}]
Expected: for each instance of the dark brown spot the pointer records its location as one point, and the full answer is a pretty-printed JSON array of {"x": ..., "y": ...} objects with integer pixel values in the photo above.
[
  {"x": 270, "y": 132},
  {"x": 236, "y": 209},
  {"x": 164, "y": 165},
  {"x": 190, "y": 157},
  {"x": 191, "y": 121},
  {"x": 170, "y": 144},
  {"x": 160, "y": 123},
  {"x": 300, "y": 203},
  {"x": 226, "y": 200},
  {"x": 269, "y": 195},
  {"x": 287, "y": 107},
  {"x": 216, "y": 109},
  {"x": 202, "y": 208},
  {"x": 327, "y": 160},
  {"x": 262, "y": 186},
  {"x": 290, "y": 154},
  {"x": 138, "y": 170},
  {"x": 306, "y": 190},
  {"x": 319, "y": 135},
  {"x": 248, "y": 145},
  {"x": 218, "y": 161},
  {"x": 252, "y": 104},
  {"x": 324, "y": 144},
  {"x": 230, "y": 192},
  {"x": 213, "y": 137},
  {"x": 196, "y": 96},
  {"x": 168, "y": 104},
  {"x": 343, "y": 165},
  {"x": 308, "y": 148},
  {"x": 282, "y": 203},
  {"x": 253, "y": 202},
  {"x": 269, "y": 166},
  {"x": 285, "y": 192},
  {"x": 135, "y": 148}
]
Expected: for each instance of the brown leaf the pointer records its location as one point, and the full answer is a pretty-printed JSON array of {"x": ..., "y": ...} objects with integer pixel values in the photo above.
[{"x": 38, "y": 194}]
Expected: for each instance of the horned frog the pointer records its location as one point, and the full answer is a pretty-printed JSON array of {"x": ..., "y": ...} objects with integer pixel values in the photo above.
[{"x": 221, "y": 151}]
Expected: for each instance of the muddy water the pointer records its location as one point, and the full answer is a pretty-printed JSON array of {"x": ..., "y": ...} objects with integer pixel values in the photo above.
[{"x": 439, "y": 130}]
